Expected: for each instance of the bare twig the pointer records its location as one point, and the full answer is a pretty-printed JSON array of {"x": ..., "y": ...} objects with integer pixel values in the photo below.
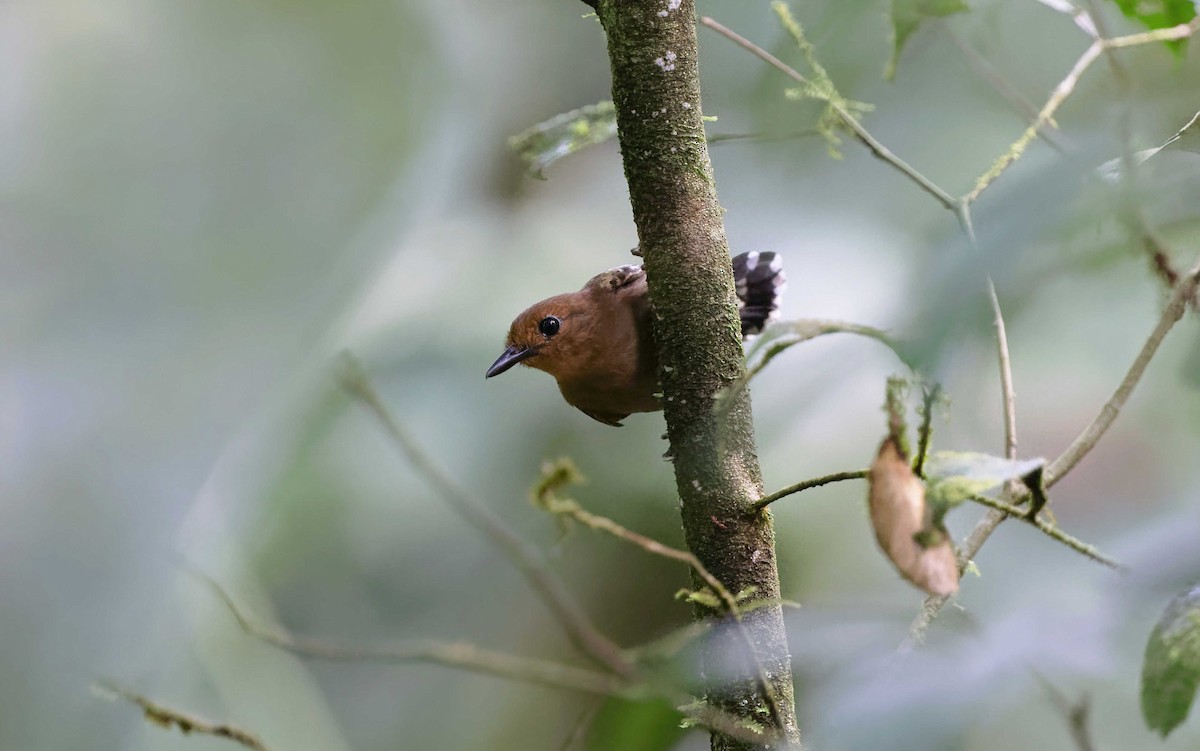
[
  {"x": 929, "y": 398},
  {"x": 933, "y": 604},
  {"x": 847, "y": 118},
  {"x": 1079, "y": 448},
  {"x": 1160, "y": 259},
  {"x": 1044, "y": 117},
  {"x": 796, "y": 332},
  {"x": 816, "y": 482},
  {"x": 470, "y": 657},
  {"x": 1017, "y": 149},
  {"x": 573, "y": 510},
  {"x": 1156, "y": 251},
  {"x": 985, "y": 70},
  {"x": 782, "y": 335},
  {"x": 167, "y": 717},
  {"x": 648, "y": 544},
  {"x": 1087, "y": 439},
  {"x": 578, "y": 627},
  {"x": 1006, "y": 379},
  {"x": 961, "y": 207},
  {"x": 1182, "y": 31},
  {"x": 451, "y": 654},
  {"x": 1076, "y": 714},
  {"x": 1064, "y": 89},
  {"x": 579, "y": 729},
  {"x": 719, "y": 138},
  {"x": 1050, "y": 530}
]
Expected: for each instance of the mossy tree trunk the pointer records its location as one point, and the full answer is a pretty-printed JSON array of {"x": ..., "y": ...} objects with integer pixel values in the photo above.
[{"x": 656, "y": 88}]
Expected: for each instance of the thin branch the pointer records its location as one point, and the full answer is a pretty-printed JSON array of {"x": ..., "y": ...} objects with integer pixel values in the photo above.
[
  {"x": 1044, "y": 118},
  {"x": 1076, "y": 713},
  {"x": 654, "y": 547},
  {"x": 1174, "y": 33},
  {"x": 1008, "y": 395},
  {"x": 771, "y": 344},
  {"x": 451, "y": 654},
  {"x": 985, "y": 71},
  {"x": 167, "y": 717},
  {"x": 961, "y": 206},
  {"x": 1087, "y": 439},
  {"x": 717, "y": 138},
  {"x": 579, "y": 729},
  {"x": 783, "y": 335},
  {"x": 1017, "y": 149},
  {"x": 932, "y": 605},
  {"x": 648, "y": 544},
  {"x": 578, "y": 627},
  {"x": 929, "y": 399},
  {"x": 473, "y": 658},
  {"x": 1102, "y": 32},
  {"x": 816, "y": 482},
  {"x": 1050, "y": 530},
  {"x": 1064, "y": 89},
  {"x": 1126, "y": 178},
  {"x": 848, "y": 119},
  {"x": 1158, "y": 255}
]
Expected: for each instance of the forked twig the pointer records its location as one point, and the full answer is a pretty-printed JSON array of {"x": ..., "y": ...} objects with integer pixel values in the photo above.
[
  {"x": 1050, "y": 530},
  {"x": 847, "y": 118},
  {"x": 573, "y": 510},
  {"x": 1078, "y": 449},
  {"x": 456, "y": 654},
  {"x": 528, "y": 560}
]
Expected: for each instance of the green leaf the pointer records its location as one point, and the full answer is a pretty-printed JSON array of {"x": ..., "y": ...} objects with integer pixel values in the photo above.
[
  {"x": 624, "y": 725},
  {"x": 1171, "y": 671},
  {"x": 549, "y": 141},
  {"x": 952, "y": 477},
  {"x": 907, "y": 15},
  {"x": 1160, "y": 14}
]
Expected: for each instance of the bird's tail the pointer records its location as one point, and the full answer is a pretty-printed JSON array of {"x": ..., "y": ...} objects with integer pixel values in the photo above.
[{"x": 759, "y": 280}]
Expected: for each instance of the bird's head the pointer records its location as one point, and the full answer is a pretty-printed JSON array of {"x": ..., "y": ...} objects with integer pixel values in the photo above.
[{"x": 540, "y": 337}]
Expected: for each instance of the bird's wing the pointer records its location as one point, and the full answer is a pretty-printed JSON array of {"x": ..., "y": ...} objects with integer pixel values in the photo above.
[
  {"x": 618, "y": 278},
  {"x": 608, "y": 418}
]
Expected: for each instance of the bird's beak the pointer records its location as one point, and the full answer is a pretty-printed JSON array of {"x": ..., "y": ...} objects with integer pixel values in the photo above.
[{"x": 511, "y": 357}]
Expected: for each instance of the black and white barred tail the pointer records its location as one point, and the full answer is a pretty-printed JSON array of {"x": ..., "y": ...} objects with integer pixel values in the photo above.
[{"x": 759, "y": 281}]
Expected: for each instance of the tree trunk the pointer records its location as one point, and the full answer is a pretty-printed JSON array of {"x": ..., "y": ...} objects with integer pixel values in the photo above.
[{"x": 656, "y": 88}]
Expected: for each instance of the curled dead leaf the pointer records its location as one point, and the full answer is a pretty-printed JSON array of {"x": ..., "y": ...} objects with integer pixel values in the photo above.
[{"x": 920, "y": 550}]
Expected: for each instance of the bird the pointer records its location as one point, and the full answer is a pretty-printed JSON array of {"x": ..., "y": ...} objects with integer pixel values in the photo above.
[{"x": 598, "y": 342}]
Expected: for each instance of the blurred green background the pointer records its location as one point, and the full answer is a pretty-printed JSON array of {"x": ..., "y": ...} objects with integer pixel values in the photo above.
[{"x": 201, "y": 204}]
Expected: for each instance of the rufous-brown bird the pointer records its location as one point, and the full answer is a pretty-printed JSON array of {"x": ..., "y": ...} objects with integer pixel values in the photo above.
[{"x": 598, "y": 343}]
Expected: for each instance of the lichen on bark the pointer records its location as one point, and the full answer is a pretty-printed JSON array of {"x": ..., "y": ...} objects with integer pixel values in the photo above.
[{"x": 656, "y": 89}]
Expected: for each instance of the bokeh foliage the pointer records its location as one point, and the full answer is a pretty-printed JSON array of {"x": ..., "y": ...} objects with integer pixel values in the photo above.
[{"x": 200, "y": 205}]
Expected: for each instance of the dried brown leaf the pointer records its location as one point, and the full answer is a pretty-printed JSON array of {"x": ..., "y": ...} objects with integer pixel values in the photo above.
[{"x": 920, "y": 551}]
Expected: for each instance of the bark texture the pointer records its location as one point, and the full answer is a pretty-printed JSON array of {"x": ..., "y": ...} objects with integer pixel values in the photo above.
[{"x": 656, "y": 88}]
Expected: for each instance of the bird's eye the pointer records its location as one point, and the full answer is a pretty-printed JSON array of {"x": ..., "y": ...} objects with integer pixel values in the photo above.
[{"x": 549, "y": 326}]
